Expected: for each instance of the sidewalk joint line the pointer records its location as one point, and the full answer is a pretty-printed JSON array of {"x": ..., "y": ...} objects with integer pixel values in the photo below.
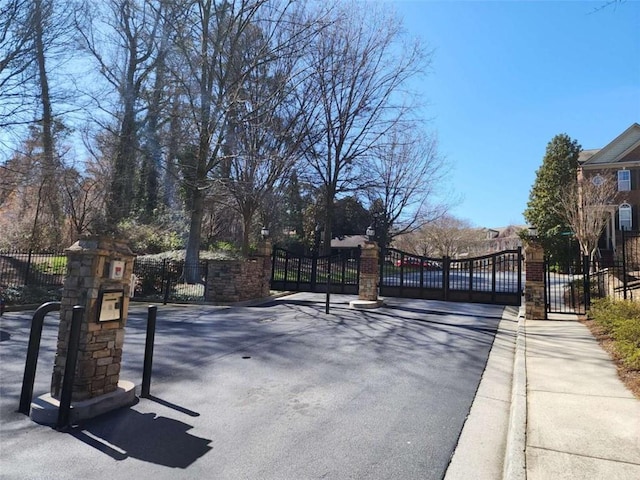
[
  {"x": 583, "y": 456},
  {"x": 582, "y": 394}
]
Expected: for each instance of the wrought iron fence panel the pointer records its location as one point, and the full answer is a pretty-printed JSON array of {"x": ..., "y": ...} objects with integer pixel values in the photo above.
[
  {"x": 313, "y": 273},
  {"x": 20, "y": 268},
  {"x": 165, "y": 280},
  {"x": 494, "y": 278}
]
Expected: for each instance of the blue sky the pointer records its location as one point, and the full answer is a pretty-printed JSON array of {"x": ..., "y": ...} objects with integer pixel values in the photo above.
[{"x": 507, "y": 76}]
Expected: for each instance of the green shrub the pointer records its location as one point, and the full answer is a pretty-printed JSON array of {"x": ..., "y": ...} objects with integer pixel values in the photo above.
[
  {"x": 30, "y": 295},
  {"x": 620, "y": 320}
]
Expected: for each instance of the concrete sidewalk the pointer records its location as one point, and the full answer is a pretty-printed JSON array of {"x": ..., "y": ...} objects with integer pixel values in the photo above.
[{"x": 582, "y": 422}]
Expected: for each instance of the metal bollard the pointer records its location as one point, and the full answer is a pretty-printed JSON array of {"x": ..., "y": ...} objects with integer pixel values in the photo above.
[
  {"x": 148, "y": 351},
  {"x": 70, "y": 368},
  {"x": 33, "y": 350}
]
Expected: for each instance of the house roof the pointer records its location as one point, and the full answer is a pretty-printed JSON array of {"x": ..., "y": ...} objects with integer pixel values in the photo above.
[
  {"x": 624, "y": 149},
  {"x": 587, "y": 154},
  {"x": 348, "y": 241}
]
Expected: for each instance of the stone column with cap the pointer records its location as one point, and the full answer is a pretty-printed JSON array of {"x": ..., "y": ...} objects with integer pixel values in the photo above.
[
  {"x": 536, "y": 308},
  {"x": 98, "y": 278},
  {"x": 369, "y": 277}
]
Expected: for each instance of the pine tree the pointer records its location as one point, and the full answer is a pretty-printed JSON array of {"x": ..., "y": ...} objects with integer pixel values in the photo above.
[{"x": 558, "y": 169}]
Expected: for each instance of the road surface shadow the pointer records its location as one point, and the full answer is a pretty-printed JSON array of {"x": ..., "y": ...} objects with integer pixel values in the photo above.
[{"x": 144, "y": 436}]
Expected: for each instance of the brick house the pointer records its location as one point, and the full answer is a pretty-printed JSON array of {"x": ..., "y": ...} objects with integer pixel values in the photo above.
[{"x": 620, "y": 157}]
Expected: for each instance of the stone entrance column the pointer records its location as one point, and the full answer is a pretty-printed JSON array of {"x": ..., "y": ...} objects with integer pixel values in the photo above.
[
  {"x": 369, "y": 277},
  {"x": 98, "y": 278},
  {"x": 536, "y": 308}
]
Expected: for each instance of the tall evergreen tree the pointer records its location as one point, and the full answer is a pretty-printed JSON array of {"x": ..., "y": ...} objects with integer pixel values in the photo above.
[{"x": 558, "y": 169}]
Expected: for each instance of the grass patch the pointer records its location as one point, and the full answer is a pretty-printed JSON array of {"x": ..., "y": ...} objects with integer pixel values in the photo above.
[
  {"x": 620, "y": 321},
  {"x": 53, "y": 266}
]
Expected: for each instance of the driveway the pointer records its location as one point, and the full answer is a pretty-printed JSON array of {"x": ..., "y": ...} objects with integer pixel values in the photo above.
[{"x": 276, "y": 391}]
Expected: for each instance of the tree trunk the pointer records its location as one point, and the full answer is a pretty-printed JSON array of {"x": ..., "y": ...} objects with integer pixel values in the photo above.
[
  {"x": 49, "y": 163},
  {"x": 192, "y": 255}
]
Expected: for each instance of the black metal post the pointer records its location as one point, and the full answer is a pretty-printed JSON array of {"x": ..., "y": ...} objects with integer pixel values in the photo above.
[
  {"x": 494, "y": 273},
  {"x": 148, "y": 351},
  {"x": 167, "y": 288},
  {"x": 624, "y": 266},
  {"x": 446, "y": 266},
  {"x": 28, "y": 270},
  {"x": 547, "y": 288},
  {"x": 70, "y": 367},
  {"x": 328, "y": 298},
  {"x": 32, "y": 354},
  {"x": 520, "y": 270},
  {"x": 586, "y": 282},
  {"x": 314, "y": 271}
]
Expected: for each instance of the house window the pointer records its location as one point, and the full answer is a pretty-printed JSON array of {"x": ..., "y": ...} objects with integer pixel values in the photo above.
[
  {"x": 597, "y": 180},
  {"x": 624, "y": 216},
  {"x": 624, "y": 180}
]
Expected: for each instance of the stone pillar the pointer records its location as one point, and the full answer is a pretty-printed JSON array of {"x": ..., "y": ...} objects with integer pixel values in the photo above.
[
  {"x": 534, "y": 282},
  {"x": 265, "y": 250},
  {"x": 98, "y": 278},
  {"x": 369, "y": 272}
]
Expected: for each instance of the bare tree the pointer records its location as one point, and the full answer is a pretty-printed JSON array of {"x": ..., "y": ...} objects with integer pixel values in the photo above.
[
  {"x": 360, "y": 69},
  {"x": 212, "y": 81},
  {"x": 447, "y": 236},
  {"x": 209, "y": 40},
  {"x": 16, "y": 61},
  {"x": 586, "y": 205},
  {"x": 122, "y": 41},
  {"x": 264, "y": 126},
  {"x": 34, "y": 36},
  {"x": 405, "y": 174}
]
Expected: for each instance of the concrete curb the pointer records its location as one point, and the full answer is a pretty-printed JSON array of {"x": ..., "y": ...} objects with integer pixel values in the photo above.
[{"x": 515, "y": 459}]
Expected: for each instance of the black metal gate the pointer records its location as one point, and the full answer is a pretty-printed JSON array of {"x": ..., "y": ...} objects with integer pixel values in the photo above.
[
  {"x": 164, "y": 281},
  {"x": 337, "y": 273},
  {"x": 494, "y": 278},
  {"x": 567, "y": 285}
]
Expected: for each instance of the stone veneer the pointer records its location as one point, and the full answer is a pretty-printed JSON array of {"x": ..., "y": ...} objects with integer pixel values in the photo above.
[
  {"x": 230, "y": 281},
  {"x": 534, "y": 283},
  {"x": 100, "y": 349}
]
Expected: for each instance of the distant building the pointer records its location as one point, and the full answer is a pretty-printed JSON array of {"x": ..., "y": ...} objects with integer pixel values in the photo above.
[
  {"x": 499, "y": 239},
  {"x": 348, "y": 243},
  {"x": 620, "y": 157}
]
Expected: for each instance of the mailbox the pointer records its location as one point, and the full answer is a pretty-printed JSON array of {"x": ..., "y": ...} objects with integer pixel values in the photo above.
[{"x": 110, "y": 305}]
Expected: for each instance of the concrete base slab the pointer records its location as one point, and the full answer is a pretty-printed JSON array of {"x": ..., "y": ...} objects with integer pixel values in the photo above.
[
  {"x": 366, "y": 304},
  {"x": 44, "y": 409}
]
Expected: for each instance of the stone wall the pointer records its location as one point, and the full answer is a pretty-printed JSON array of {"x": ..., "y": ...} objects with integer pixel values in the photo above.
[{"x": 230, "y": 281}]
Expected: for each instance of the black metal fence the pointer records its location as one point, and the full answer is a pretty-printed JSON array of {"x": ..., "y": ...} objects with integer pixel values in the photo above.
[
  {"x": 169, "y": 280},
  {"x": 566, "y": 285},
  {"x": 494, "y": 278},
  {"x": 570, "y": 286},
  {"x": 20, "y": 268},
  {"x": 312, "y": 273},
  {"x": 156, "y": 280},
  {"x": 619, "y": 278}
]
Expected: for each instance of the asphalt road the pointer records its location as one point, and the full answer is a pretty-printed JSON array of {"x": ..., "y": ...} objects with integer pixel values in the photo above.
[{"x": 276, "y": 391}]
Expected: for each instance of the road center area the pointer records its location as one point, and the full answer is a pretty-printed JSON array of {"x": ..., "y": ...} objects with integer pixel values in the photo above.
[{"x": 275, "y": 391}]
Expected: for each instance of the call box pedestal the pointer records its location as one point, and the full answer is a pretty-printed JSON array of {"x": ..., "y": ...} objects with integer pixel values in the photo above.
[{"x": 98, "y": 277}]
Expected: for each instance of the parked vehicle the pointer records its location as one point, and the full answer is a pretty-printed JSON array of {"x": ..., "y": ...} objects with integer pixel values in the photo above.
[{"x": 416, "y": 263}]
